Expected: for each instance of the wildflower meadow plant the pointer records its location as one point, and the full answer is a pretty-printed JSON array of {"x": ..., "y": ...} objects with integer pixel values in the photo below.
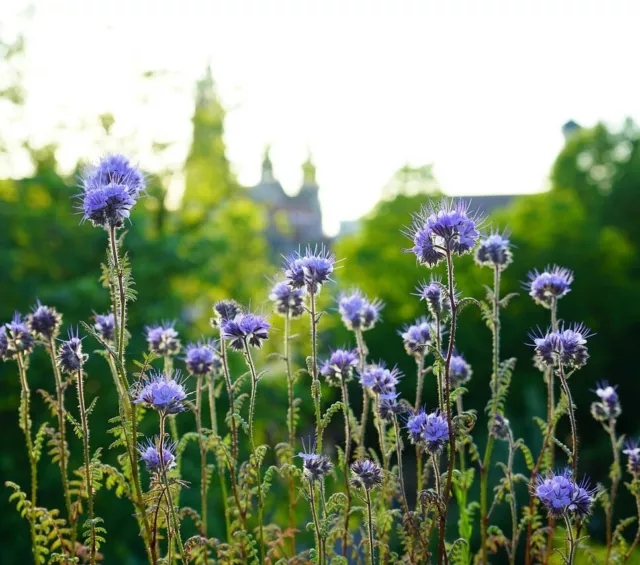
[{"x": 357, "y": 505}]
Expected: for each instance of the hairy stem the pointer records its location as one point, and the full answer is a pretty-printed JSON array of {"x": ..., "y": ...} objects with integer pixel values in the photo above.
[
  {"x": 512, "y": 502},
  {"x": 636, "y": 540},
  {"x": 615, "y": 479},
  {"x": 571, "y": 540},
  {"x": 362, "y": 360},
  {"x": 370, "y": 527},
  {"x": 316, "y": 523},
  {"x": 315, "y": 384},
  {"x": 291, "y": 424},
  {"x": 203, "y": 458},
  {"x": 572, "y": 420},
  {"x": 347, "y": 460}
]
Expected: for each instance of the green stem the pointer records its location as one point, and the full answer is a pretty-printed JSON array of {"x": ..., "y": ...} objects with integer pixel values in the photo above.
[
  {"x": 316, "y": 523},
  {"x": 370, "y": 527},
  {"x": 362, "y": 360},
  {"x": 315, "y": 384},
  {"x": 291, "y": 422},
  {"x": 203, "y": 458},
  {"x": 614, "y": 486},
  {"x": 347, "y": 460},
  {"x": 168, "y": 370},
  {"x": 572, "y": 421}
]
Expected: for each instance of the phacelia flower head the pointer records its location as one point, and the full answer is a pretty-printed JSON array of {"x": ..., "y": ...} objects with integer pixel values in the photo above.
[
  {"x": 417, "y": 336},
  {"x": 224, "y": 310},
  {"x": 315, "y": 466},
  {"x": 436, "y": 297},
  {"x": 163, "y": 339},
  {"x": 244, "y": 330},
  {"x": 70, "y": 357},
  {"x": 311, "y": 270},
  {"x": 104, "y": 324},
  {"x": 459, "y": 371},
  {"x": 494, "y": 251},
  {"x": 609, "y": 405},
  {"x": 150, "y": 455},
  {"x": 358, "y": 312},
  {"x": 340, "y": 366},
  {"x": 287, "y": 301},
  {"x": 107, "y": 207},
  {"x": 201, "y": 359},
  {"x": 44, "y": 321},
  {"x": 632, "y": 451},
  {"x": 114, "y": 169},
  {"x": 561, "y": 495},
  {"x": 18, "y": 338},
  {"x": 366, "y": 474},
  {"x": 388, "y": 406},
  {"x": 582, "y": 500},
  {"x": 380, "y": 379},
  {"x": 566, "y": 346},
  {"x": 167, "y": 396},
  {"x": 430, "y": 430},
  {"x": 499, "y": 426},
  {"x": 547, "y": 286},
  {"x": 446, "y": 226}
]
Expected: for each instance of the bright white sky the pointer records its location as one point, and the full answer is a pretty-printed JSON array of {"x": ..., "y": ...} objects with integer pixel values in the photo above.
[{"x": 479, "y": 88}]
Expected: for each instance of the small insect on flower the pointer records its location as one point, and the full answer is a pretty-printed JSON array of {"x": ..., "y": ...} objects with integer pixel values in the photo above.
[
  {"x": 380, "y": 379},
  {"x": 315, "y": 466},
  {"x": 494, "y": 251},
  {"x": 340, "y": 366},
  {"x": 201, "y": 359},
  {"x": 417, "y": 337},
  {"x": 150, "y": 455},
  {"x": 441, "y": 228},
  {"x": 436, "y": 297},
  {"x": 244, "y": 330},
  {"x": 18, "y": 338},
  {"x": 548, "y": 286},
  {"x": 429, "y": 430},
  {"x": 104, "y": 324},
  {"x": 565, "y": 346},
  {"x": 44, "y": 321},
  {"x": 365, "y": 474},
  {"x": 609, "y": 405},
  {"x": 311, "y": 270},
  {"x": 499, "y": 427},
  {"x": 167, "y": 396},
  {"x": 632, "y": 451},
  {"x": 388, "y": 406},
  {"x": 224, "y": 310},
  {"x": 163, "y": 339},
  {"x": 459, "y": 371},
  {"x": 287, "y": 301},
  {"x": 70, "y": 357}
]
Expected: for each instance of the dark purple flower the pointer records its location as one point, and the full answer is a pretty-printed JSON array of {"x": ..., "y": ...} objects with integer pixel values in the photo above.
[
  {"x": 380, "y": 379},
  {"x": 315, "y": 466},
  {"x": 446, "y": 226},
  {"x": 224, "y": 310},
  {"x": 166, "y": 395},
  {"x": 436, "y": 297},
  {"x": 430, "y": 430},
  {"x": 494, "y": 251},
  {"x": 358, "y": 312},
  {"x": 201, "y": 359},
  {"x": 499, "y": 427},
  {"x": 44, "y": 321},
  {"x": 549, "y": 285},
  {"x": 632, "y": 451},
  {"x": 19, "y": 338},
  {"x": 150, "y": 454},
  {"x": 70, "y": 357},
  {"x": 114, "y": 169},
  {"x": 556, "y": 492},
  {"x": 163, "y": 339},
  {"x": 339, "y": 367},
  {"x": 415, "y": 425},
  {"x": 566, "y": 346},
  {"x": 582, "y": 500},
  {"x": 287, "y": 300},
  {"x": 311, "y": 270},
  {"x": 107, "y": 206},
  {"x": 609, "y": 405},
  {"x": 244, "y": 330},
  {"x": 417, "y": 337},
  {"x": 105, "y": 326},
  {"x": 459, "y": 371},
  {"x": 388, "y": 406},
  {"x": 366, "y": 474}
]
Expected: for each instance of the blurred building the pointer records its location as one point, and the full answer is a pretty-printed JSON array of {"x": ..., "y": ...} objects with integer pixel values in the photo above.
[{"x": 293, "y": 221}]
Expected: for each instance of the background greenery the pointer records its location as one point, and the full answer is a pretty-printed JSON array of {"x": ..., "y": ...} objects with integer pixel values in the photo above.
[{"x": 213, "y": 247}]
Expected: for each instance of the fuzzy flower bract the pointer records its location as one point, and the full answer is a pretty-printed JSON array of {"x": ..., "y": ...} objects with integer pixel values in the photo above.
[{"x": 244, "y": 330}]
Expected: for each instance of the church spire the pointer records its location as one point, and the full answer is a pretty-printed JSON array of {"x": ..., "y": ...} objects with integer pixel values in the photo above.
[
  {"x": 205, "y": 89},
  {"x": 309, "y": 172},
  {"x": 267, "y": 166}
]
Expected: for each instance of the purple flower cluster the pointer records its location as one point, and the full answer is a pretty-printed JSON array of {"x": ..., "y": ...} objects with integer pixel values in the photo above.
[
  {"x": 547, "y": 286},
  {"x": 366, "y": 474},
  {"x": 632, "y": 451},
  {"x": 430, "y": 430},
  {"x": 436, "y": 297},
  {"x": 459, "y": 371},
  {"x": 561, "y": 495},
  {"x": 494, "y": 251},
  {"x": 44, "y": 321},
  {"x": 153, "y": 460},
  {"x": 340, "y": 366},
  {"x": 315, "y": 466},
  {"x": 163, "y": 339},
  {"x": 244, "y": 330},
  {"x": 380, "y": 379},
  {"x": 358, "y": 312},
  {"x": 388, "y": 406},
  {"x": 417, "y": 336},
  {"x": 446, "y": 227},
  {"x": 104, "y": 324},
  {"x": 224, "y": 310},
  {"x": 311, "y": 270},
  {"x": 288, "y": 301},
  {"x": 15, "y": 338},
  {"x": 201, "y": 359},
  {"x": 609, "y": 405},
  {"x": 566, "y": 346},
  {"x": 110, "y": 189},
  {"x": 70, "y": 357},
  {"x": 166, "y": 395}
]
